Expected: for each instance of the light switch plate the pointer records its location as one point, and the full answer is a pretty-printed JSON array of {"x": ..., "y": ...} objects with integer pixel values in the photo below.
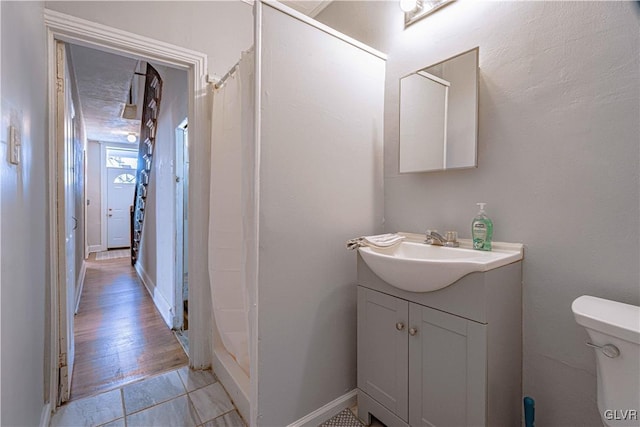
[{"x": 14, "y": 145}]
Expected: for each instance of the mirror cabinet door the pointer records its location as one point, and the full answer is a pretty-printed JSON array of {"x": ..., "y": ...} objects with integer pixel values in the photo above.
[{"x": 439, "y": 115}]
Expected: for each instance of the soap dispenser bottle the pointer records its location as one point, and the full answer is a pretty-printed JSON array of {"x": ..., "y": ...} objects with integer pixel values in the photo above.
[{"x": 482, "y": 230}]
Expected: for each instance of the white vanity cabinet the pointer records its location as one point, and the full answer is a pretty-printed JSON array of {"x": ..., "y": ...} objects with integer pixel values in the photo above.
[{"x": 445, "y": 358}]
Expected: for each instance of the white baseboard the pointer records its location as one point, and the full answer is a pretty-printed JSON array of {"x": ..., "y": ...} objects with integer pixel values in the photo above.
[
  {"x": 158, "y": 299},
  {"x": 332, "y": 408},
  {"x": 96, "y": 248},
  {"x": 80, "y": 285},
  {"x": 45, "y": 416},
  {"x": 234, "y": 380}
]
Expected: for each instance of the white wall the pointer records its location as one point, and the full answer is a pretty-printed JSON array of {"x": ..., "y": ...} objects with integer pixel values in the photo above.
[
  {"x": 375, "y": 23},
  {"x": 558, "y": 164},
  {"x": 24, "y": 220},
  {"x": 157, "y": 251},
  {"x": 320, "y": 184}
]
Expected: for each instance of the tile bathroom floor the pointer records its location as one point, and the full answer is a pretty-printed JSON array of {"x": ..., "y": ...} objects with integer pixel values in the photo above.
[{"x": 181, "y": 397}]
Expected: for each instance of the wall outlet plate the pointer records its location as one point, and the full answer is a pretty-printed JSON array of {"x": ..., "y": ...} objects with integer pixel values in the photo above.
[{"x": 14, "y": 145}]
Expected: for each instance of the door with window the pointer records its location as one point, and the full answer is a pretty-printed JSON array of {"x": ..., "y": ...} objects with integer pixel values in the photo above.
[{"x": 121, "y": 184}]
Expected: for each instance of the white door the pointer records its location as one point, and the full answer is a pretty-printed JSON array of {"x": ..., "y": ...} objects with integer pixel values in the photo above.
[
  {"x": 121, "y": 184},
  {"x": 182, "y": 195},
  {"x": 66, "y": 223}
]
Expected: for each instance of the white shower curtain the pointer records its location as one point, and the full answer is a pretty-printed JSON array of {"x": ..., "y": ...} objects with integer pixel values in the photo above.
[{"x": 228, "y": 290}]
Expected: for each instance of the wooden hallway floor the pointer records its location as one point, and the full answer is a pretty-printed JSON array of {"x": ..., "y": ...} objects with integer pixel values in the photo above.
[{"x": 119, "y": 335}]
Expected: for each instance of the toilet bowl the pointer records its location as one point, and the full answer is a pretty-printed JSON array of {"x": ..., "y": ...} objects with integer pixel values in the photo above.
[{"x": 614, "y": 333}]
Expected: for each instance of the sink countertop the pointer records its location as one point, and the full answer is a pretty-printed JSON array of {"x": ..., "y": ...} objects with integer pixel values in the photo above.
[
  {"x": 414, "y": 266},
  {"x": 468, "y": 243}
]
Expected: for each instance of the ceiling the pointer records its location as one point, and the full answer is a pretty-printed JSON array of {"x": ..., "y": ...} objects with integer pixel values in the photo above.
[{"x": 103, "y": 81}]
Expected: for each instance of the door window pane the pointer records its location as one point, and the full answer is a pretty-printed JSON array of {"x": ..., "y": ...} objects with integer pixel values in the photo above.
[
  {"x": 122, "y": 159},
  {"x": 125, "y": 178}
]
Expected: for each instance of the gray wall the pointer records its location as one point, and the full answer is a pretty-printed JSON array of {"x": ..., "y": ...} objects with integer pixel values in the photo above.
[
  {"x": 320, "y": 185},
  {"x": 24, "y": 221},
  {"x": 157, "y": 254},
  {"x": 558, "y": 164}
]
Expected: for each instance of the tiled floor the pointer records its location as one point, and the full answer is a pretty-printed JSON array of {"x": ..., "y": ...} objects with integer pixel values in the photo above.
[
  {"x": 180, "y": 397},
  {"x": 346, "y": 418}
]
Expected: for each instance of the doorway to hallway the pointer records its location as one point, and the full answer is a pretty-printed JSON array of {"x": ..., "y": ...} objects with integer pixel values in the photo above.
[
  {"x": 125, "y": 312},
  {"x": 61, "y": 27}
]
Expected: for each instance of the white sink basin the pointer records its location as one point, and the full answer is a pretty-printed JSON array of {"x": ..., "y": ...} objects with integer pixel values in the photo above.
[{"x": 418, "y": 267}]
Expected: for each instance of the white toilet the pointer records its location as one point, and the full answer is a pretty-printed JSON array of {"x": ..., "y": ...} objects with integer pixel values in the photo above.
[{"x": 614, "y": 332}]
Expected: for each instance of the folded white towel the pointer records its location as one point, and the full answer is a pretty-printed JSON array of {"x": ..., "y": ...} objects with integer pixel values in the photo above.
[
  {"x": 380, "y": 241},
  {"x": 384, "y": 240}
]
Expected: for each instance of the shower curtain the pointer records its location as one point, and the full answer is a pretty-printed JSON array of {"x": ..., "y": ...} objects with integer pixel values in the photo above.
[{"x": 228, "y": 287}]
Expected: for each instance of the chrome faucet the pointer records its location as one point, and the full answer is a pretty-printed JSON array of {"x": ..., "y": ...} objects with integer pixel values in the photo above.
[{"x": 436, "y": 239}]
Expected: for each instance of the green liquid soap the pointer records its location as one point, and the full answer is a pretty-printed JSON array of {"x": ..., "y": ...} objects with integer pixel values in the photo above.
[{"x": 482, "y": 230}]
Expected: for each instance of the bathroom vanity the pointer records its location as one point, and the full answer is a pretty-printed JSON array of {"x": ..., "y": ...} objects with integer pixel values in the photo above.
[{"x": 450, "y": 357}]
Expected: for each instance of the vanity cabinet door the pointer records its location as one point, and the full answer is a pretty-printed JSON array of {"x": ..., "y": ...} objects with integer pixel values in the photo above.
[
  {"x": 383, "y": 349},
  {"x": 447, "y": 369}
]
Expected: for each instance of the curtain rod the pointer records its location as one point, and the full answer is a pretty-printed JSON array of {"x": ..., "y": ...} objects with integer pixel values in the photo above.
[{"x": 222, "y": 81}]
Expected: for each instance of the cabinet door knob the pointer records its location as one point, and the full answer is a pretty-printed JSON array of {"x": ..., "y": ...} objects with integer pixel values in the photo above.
[
  {"x": 413, "y": 331},
  {"x": 399, "y": 326}
]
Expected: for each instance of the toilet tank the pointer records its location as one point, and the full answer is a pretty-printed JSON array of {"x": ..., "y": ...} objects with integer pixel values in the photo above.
[{"x": 618, "y": 324}]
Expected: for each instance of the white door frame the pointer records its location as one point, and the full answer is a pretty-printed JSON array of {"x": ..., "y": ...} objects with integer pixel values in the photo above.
[
  {"x": 103, "y": 197},
  {"x": 74, "y": 30},
  {"x": 67, "y": 250}
]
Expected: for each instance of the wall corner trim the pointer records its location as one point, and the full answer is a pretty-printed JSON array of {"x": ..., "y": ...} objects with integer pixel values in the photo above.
[{"x": 332, "y": 408}]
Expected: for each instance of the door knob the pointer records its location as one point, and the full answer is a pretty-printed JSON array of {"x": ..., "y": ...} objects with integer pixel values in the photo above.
[
  {"x": 110, "y": 214},
  {"x": 413, "y": 331},
  {"x": 399, "y": 326}
]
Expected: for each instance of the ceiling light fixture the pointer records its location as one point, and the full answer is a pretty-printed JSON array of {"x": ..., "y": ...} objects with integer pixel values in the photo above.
[
  {"x": 132, "y": 137},
  {"x": 410, "y": 5},
  {"x": 414, "y": 10}
]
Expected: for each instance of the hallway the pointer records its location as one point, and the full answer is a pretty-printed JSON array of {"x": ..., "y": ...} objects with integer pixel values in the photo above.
[{"x": 119, "y": 335}]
